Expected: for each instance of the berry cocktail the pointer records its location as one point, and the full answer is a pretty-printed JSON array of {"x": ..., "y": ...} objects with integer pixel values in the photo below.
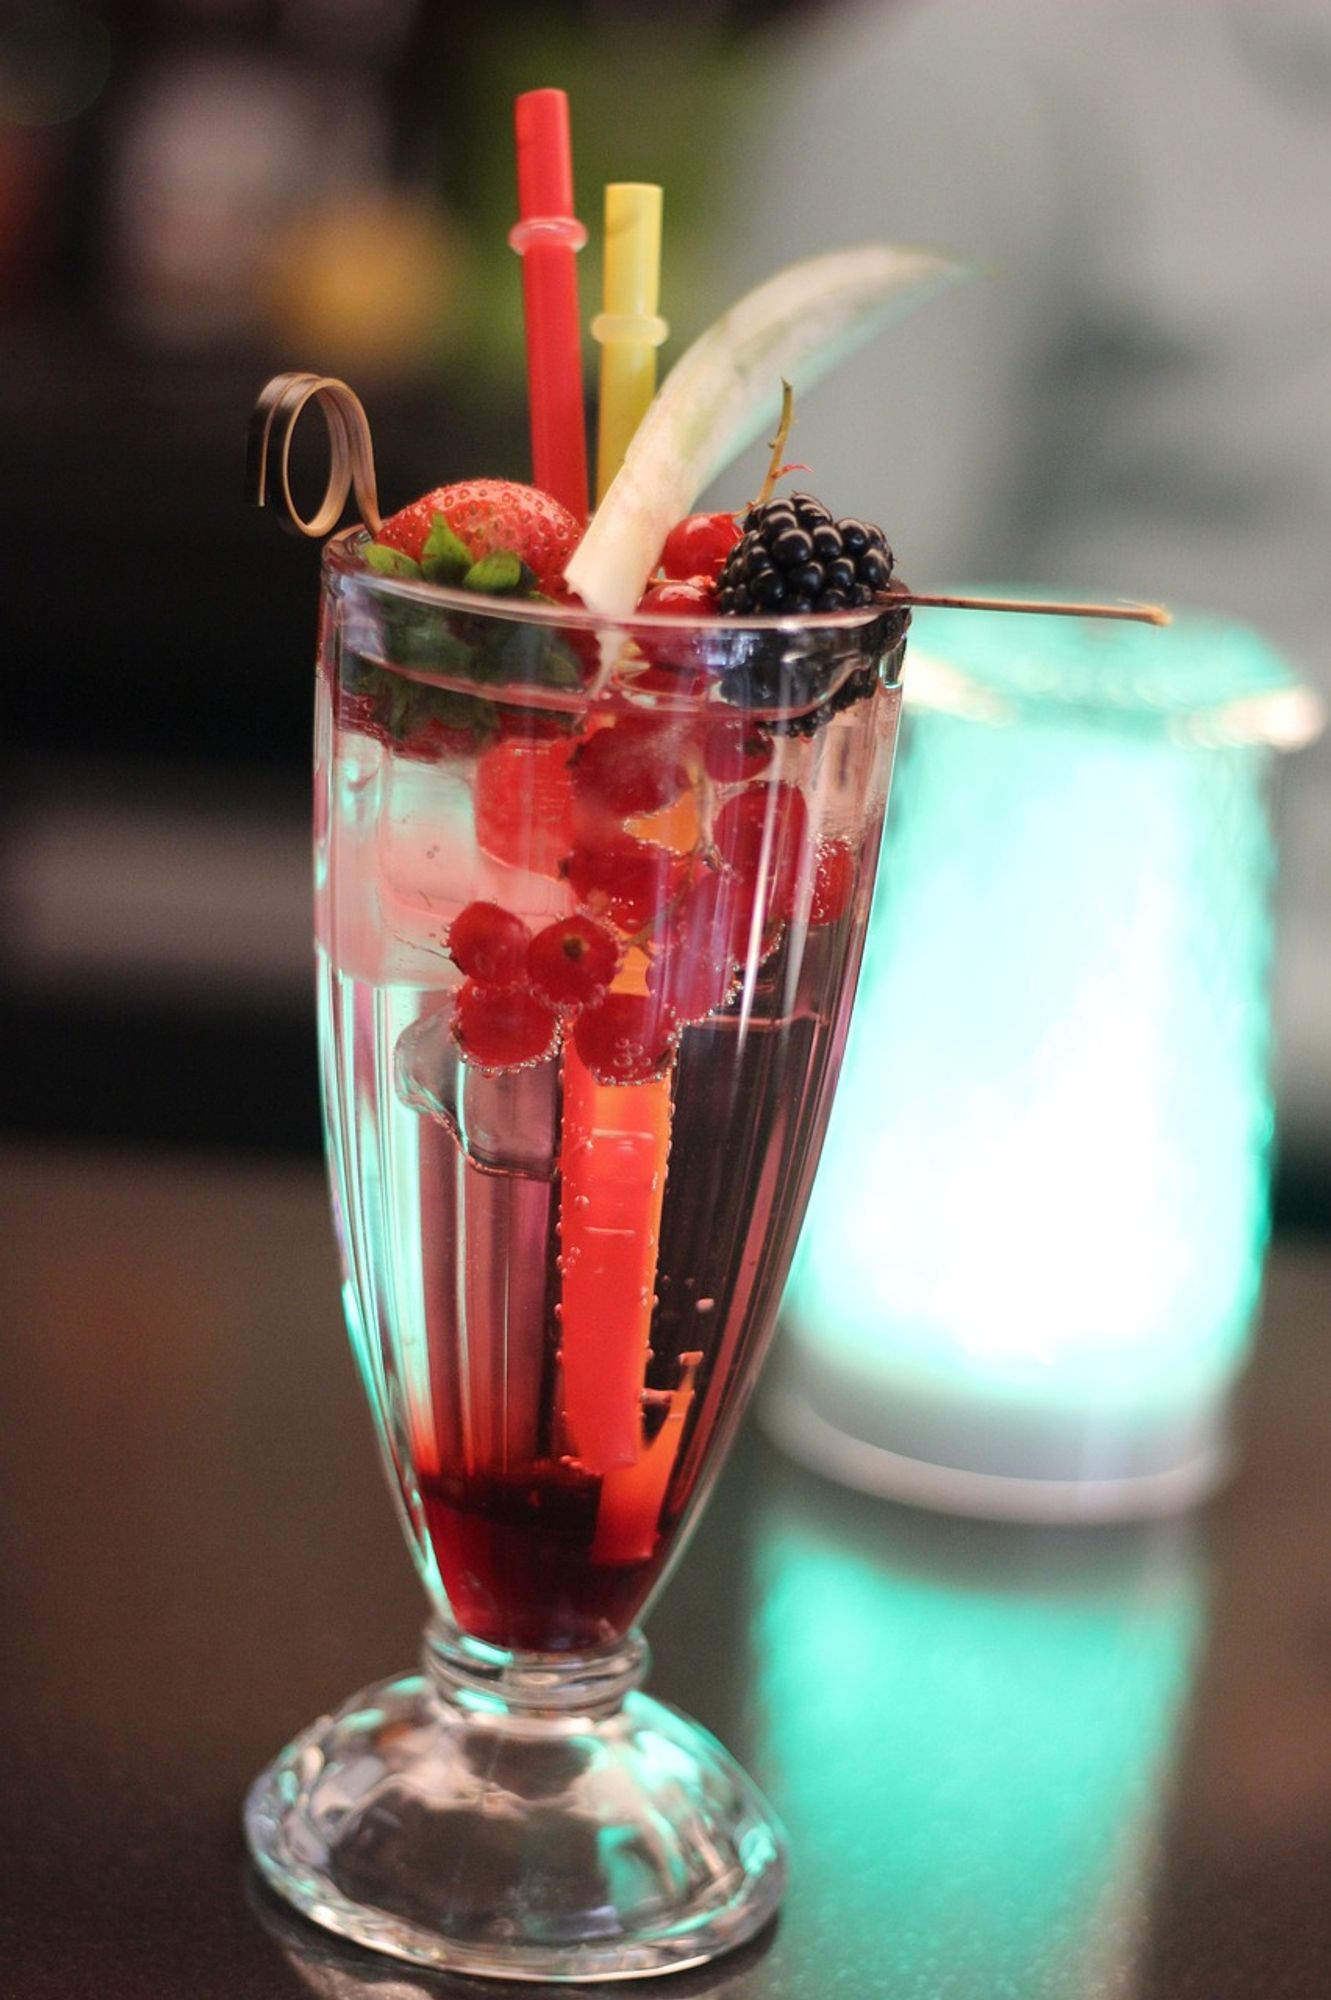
[
  {"x": 591, "y": 891},
  {"x": 598, "y": 804},
  {"x": 590, "y": 906},
  {"x": 590, "y": 900}
]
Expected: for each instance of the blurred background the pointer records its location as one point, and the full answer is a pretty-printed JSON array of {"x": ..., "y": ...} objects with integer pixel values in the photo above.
[{"x": 195, "y": 194}]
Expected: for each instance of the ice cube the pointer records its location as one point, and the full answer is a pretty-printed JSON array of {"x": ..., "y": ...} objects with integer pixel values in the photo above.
[
  {"x": 507, "y": 1123},
  {"x": 429, "y": 865}
]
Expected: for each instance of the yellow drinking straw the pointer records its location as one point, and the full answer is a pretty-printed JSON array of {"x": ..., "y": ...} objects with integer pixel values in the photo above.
[{"x": 628, "y": 327}]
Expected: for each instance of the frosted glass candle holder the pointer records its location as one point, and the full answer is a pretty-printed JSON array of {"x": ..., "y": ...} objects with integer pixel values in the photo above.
[{"x": 1032, "y": 1260}]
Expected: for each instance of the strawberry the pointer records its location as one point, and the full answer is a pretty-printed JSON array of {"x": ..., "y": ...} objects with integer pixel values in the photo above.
[
  {"x": 523, "y": 803},
  {"x": 491, "y": 517}
]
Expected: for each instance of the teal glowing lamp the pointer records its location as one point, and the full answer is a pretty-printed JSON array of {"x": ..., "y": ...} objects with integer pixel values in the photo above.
[{"x": 1032, "y": 1260}]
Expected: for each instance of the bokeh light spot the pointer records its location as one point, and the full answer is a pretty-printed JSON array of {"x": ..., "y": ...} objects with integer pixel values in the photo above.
[{"x": 54, "y": 63}]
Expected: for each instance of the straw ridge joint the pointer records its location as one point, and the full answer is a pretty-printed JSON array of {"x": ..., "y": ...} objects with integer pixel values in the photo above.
[
  {"x": 645, "y": 329},
  {"x": 537, "y": 229}
]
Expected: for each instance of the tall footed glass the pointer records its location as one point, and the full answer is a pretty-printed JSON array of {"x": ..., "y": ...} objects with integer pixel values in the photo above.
[{"x": 590, "y": 906}]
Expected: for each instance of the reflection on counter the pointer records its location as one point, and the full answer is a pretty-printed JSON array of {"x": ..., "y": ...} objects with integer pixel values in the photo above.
[
  {"x": 336, "y": 1970},
  {"x": 996, "y": 1710}
]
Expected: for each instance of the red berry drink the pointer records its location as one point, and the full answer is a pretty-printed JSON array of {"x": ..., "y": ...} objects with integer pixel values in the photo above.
[
  {"x": 590, "y": 908},
  {"x": 598, "y": 809}
]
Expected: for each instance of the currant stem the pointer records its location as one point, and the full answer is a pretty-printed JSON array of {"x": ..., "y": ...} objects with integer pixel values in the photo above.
[
  {"x": 643, "y": 935},
  {"x": 777, "y": 445}
]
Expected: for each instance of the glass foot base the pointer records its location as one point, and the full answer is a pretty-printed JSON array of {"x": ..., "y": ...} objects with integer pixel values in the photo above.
[{"x": 603, "y": 1837}]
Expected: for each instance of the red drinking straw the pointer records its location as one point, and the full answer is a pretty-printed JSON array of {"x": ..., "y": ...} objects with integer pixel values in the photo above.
[{"x": 547, "y": 238}]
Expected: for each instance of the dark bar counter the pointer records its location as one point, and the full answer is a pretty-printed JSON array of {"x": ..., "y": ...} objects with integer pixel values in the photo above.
[{"x": 1015, "y": 1765}]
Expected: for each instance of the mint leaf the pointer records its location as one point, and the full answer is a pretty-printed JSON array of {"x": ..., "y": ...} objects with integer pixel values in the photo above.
[
  {"x": 497, "y": 574},
  {"x": 445, "y": 557},
  {"x": 390, "y": 562}
]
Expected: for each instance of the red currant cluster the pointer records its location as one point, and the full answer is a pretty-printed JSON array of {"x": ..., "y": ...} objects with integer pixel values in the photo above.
[
  {"x": 519, "y": 987},
  {"x": 695, "y": 552},
  {"x": 694, "y": 917}
]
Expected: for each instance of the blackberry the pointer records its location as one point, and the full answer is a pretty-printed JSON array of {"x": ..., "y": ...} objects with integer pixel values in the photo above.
[
  {"x": 793, "y": 558},
  {"x": 765, "y": 685},
  {"x": 770, "y": 677}
]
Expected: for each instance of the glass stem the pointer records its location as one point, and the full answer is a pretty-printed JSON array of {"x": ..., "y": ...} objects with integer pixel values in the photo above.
[{"x": 558, "y": 1692}]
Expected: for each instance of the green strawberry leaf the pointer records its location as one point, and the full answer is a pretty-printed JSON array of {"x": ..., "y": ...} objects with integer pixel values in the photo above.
[
  {"x": 406, "y": 708},
  {"x": 390, "y": 562},
  {"x": 414, "y": 637},
  {"x": 399, "y": 706},
  {"x": 461, "y": 711},
  {"x": 533, "y": 656},
  {"x": 562, "y": 669},
  {"x": 499, "y": 575},
  {"x": 445, "y": 557}
]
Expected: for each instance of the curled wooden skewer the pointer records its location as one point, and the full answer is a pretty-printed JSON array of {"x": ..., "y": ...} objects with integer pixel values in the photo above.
[
  {"x": 351, "y": 466},
  {"x": 351, "y": 462}
]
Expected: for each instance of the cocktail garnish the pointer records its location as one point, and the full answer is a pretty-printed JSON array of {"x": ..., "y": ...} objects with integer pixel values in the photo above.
[
  {"x": 720, "y": 393},
  {"x": 449, "y": 533},
  {"x": 503, "y": 1027},
  {"x": 682, "y": 856},
  {"x": 547, "y": 237},
  {"x": 776, "y": 447},
  {"x": 1137, "y": 614},
  {"x": 276, "y": 414},
  {"x": 793, "y": 558},
  {"x": 572, "y": 961},
  {"x": 488, "y": 942}
]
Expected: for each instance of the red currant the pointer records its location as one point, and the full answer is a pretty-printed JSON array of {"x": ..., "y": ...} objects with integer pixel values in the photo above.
[
  {"x": 624, "y": 879},
  {"x": 632, "y": 767},
  {"x": 522, "y": 801},
  {"x": 699, "y": 544},
  {"x": 662, "y": 678},
  {"x": 714, "y": 916},
  {"x": 680, "y": 597},
  {"x": 489, "y": 943},
  {"x": 572, "y": 961},
  {"x": 734, "y": 749},
  {"x": 503, "y": 1027},
  {"x": 833, "y": 882},
  {"x": 626, "y": 1038},
  {"x": 692, "y": 983},
  {"x": 692, "y": 598},
  {"x": 760, "y": 834}
]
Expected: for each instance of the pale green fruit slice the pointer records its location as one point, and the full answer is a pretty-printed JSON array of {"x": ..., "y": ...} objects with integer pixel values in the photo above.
[{"x": 722, "y": 390}]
